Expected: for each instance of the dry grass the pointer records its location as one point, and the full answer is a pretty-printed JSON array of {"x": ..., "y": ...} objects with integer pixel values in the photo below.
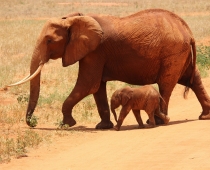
[
  {"x": 36, "y": 9},
  {"x": 20, "y": 23}
]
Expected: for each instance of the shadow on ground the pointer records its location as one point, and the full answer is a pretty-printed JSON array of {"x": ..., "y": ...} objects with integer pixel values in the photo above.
[
  {"x": 126, "y": 127},
  {"x": 134, "y": 127}
]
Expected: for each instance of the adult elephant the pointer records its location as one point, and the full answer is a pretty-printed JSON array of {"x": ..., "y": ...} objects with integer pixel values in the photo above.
[{"x": 151, "y": 46}]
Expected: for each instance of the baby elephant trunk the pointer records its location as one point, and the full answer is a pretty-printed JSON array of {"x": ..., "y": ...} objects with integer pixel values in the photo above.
[{"x": 114, "y": 113}]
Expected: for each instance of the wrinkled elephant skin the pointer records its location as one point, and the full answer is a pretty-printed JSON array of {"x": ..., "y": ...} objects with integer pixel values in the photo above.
[
  {"x": 144, "y": 98},
  {"x": 151, "y": 46}
]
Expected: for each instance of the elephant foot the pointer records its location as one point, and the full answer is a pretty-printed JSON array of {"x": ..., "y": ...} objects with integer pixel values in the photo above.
[
  {"x": 150, "y": 126},
  {"x": 104, "y": 125},
  {"x": 69, "y": 120},
  {"x": 116, "y": 128},
  {"x": 204, "y": 116},
  {"x": 159, "y": 121},
  {"x": 166, "y": 120},
  {"x": 141, "y": 126}
]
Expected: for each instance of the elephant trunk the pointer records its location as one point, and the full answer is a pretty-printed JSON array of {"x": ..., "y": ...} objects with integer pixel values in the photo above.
[
  {"x": 34, "y": 86},
  {"x": 114, "y": 113},
  {"x": 115, "y": 103}
]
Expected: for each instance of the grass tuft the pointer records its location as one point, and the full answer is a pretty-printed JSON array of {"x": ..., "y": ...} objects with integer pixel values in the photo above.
[{"x": 203, "y": 59}]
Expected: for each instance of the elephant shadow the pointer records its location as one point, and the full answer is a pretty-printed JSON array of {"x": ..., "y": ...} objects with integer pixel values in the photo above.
[
  {"x": 72, "y": 129},
  {"x": 123, "y": 128},
  {"x": 180, "y": 121},
  {"x": 134, "y": 127}
]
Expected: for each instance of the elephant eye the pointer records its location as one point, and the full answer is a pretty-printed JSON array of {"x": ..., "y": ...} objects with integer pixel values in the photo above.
[{"x": 49, "y": 41}]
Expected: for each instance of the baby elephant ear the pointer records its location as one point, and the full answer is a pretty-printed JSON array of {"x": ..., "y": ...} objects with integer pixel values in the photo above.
[
  {"x": 125, "y": 97},
  {"x": 85, "y": 35}
]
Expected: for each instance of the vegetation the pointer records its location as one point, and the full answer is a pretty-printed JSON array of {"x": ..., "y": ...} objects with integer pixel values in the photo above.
[
  {"x": 203, "y": 59},
  {"x": 21, "y": 22}
]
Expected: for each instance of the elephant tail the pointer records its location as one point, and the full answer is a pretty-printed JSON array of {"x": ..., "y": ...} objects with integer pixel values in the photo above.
[
  {"x": 162, "y": 99},
  {"x": 193, "y": 52},
  {"x": 193, "y": 60}
]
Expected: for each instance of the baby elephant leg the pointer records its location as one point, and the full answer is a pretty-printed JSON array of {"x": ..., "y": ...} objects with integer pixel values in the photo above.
[
  {"x": 164, "y": 117},
  {"x": 123, "y": 113},
  {"x": 138, "y": 118},
  {"x": 151, "y": 119}
]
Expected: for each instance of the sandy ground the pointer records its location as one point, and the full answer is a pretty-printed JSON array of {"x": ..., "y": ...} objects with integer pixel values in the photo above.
[{"x": 183, "y": 144}]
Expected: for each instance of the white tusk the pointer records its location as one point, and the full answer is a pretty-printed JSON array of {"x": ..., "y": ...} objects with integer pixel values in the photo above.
[
  {"x": 28, "y": 78},
  {"x": 5, "y": 88},
  {"x": 24, "y": 78}
]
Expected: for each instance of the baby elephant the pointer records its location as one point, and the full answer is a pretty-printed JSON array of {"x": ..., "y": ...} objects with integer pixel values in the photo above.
[{"x": 144, "y": 98}]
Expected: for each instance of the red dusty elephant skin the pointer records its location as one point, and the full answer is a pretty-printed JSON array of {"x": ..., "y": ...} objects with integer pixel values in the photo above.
[
  {"x": 151, "y": 46},
  {"x": 144, "y": 98}
]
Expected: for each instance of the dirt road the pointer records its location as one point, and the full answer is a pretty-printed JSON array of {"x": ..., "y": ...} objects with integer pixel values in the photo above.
[{"x": 183, "y": 144}]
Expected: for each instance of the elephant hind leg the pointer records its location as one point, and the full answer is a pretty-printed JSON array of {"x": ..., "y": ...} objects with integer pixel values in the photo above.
[
  {"x": 166, "y": 86},
  {"x": 199, "y": 90},
  {"x": 164, "y": 117},
  {"x": 151, "y": 119},
  {"x": 158, "y": 120},
  {"x": 138, "y": 118},
  {"x": 170, "y": 73}
]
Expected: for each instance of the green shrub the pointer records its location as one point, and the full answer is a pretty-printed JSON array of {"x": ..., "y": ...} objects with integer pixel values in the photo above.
[
  {"x": 11, "y": 146},
  {"x": 203, "y": 59}
]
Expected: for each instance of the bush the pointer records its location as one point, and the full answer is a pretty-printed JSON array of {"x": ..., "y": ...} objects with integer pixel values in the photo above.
[{"x": 203, "y": 59}]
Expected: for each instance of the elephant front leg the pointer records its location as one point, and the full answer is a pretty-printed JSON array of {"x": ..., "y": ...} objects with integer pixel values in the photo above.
[
  {"x": 76, "y": 95},
  {"x": 152, "y": 122},
  {"x": 123, "y": 113},
  {"x": 103, "y": 108}
]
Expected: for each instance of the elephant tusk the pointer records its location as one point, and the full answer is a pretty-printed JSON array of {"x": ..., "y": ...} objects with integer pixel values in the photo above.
[
  {"x": 24, "y": 78},
  {"x": 5, "y": 88},
  {"x": 27, "y": 78}
]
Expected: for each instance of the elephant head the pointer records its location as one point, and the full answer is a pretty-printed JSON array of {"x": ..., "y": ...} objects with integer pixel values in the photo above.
[
  {"x": 70, "y": 39},
  {"x": 120, "y": 97}
]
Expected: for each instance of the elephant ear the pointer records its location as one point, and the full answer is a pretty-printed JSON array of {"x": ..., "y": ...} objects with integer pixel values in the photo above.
[
  {"x": 125, "y": 97},
  {"x": 85, "y": 35}
]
